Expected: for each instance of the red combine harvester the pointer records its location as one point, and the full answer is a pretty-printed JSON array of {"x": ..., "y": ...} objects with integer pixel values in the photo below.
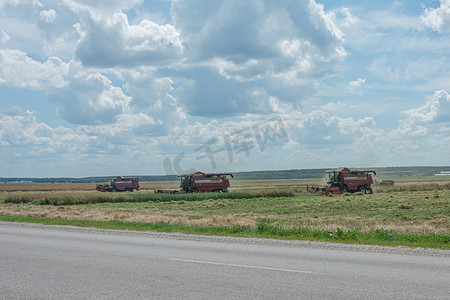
[
  {"x": 342, "y": 180},
  {"x": 199, "y": 182},
  {"x": 119, "y": 184}
]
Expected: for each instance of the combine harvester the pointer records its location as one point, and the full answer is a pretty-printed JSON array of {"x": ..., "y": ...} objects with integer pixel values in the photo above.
[
  {"x": 199, "y": 182},
  {"x": 119, "y": 184},
  {"x": 342, "y": 180}
]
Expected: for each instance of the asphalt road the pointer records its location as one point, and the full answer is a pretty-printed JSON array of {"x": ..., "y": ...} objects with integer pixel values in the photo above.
[{"x": 56, "y": 262}]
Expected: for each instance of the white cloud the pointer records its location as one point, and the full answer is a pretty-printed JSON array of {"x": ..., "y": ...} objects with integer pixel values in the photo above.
[
  {"x": 31, "y": 148},
  {"x": 264, "y": 64},
  {"x": 90, "y": 98},
  {"x": 48, "y": 16},
  {"x": 101, "y": 7},
  {"x": 128, "y": 126},
  {"x": 138, "y": 84},
  {"x": 423, "y": 134},
  {"x": 20, "y": 129},
  {"x": 436, "y": 110},
  {"x": 87, "y": 150},
  {"x": 259, "y": 29},
  {"x": 20, "y": 2},
  {"x": 4, "y": 37},
  {"x": 320, "y": 127},
  {"x": 153, "y": 97},
  {"x": 19, "y": 70},
  {"x": 390, "y": 33},
  {"x": 438, "y": 18},
  {"x": 41, "y": 30},
  {"x": 344, "y": 18},
  {"x": 111, "y": 41},
  {"x": 243, "y": 56},
  {"x": 356, "y": 83}
]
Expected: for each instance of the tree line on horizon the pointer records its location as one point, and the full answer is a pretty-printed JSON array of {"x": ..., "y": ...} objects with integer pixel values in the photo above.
[{"x": 248, "y": 175}]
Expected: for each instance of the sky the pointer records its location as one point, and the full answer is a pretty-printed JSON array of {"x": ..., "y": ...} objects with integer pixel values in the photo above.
[{"x": 137, "y": 87}]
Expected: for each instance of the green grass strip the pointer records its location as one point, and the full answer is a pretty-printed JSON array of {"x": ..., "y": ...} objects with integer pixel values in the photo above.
[
  {"x": 68, "y": 199},
  {"x": 262, "y": 230}
]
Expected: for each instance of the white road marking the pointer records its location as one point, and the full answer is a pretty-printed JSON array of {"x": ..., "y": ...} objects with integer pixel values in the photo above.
[{"x": 240, "y": 266}]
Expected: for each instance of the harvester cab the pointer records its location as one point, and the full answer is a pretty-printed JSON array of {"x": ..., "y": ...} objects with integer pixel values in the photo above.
[
  {"x": 332, "y": 177},
  {"x": 186, "y": 182}
]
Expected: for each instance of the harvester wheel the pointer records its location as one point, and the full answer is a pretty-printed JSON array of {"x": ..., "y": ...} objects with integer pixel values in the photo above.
[
  {"x": 114, "y": 189},
  {"x": 363, "y": 190},
  {"x": 344, "y": 189},
  {"x": 194, "y": 190}
]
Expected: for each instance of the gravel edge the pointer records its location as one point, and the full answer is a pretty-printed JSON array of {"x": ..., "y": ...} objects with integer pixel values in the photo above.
[{"x": 244, "y": 240}]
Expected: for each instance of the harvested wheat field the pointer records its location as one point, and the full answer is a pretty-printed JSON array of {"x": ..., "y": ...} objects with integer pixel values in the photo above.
[
  {"x": 150, "y": 186},
  {"x": 408, "y": 208}
]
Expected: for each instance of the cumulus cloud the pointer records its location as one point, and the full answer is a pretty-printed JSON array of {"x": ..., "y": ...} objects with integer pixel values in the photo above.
[
  {"x": 34, "y": 149},
  {"x": 19, "y": 70},
  {"x": 259, "y": 30},
  {"x": 423, "y": 135},
  {"x": 438, "y": 18},
  {"x": 90, "y": 98},
  {"x": 211, "y": 94},
  {"x": 111, "y": 41},
  {"x": 28, "y": 144},
  {"x": 227, "y": 57},
  {"x": 320, "y": 127},
  {"x": 48, "y": 16},
  {"x": 153, "y": 96},
  {"x": 20, "y": 128},
  {"x": 86, "y": 97},
  {"x": 435, "y": 110},
  {"x": 127, "y": 133},
  {"x": 424, "y": 125},
  {"x": 311, "y": 137},
  {"x": 130, "y": 81},
  {"x": 41, "y": 29},
  {"x": 247, "y": 55},
  {"x": 232, "y": 58}
]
